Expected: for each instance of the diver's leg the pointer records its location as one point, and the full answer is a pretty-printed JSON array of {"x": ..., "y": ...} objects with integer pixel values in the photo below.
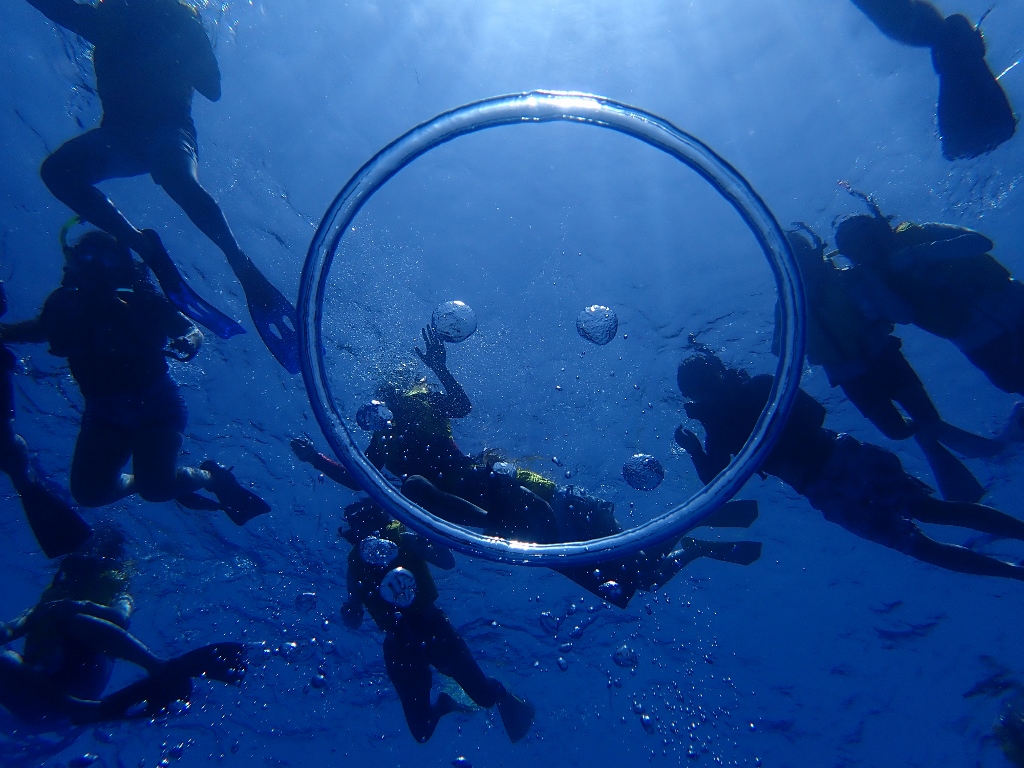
[
  {"x": 451, "y": 656},
  {"x": 25, "y": 691},
  {"x": 101, "y": 452},
  {"x": 107, "y": 638},
  {"x": 911, "y": 22},
  {"x": 409, "y": 670},
  {"x": 907, "y": 389},
  {"x": 155, "y": 460},
  {"x": 72, "y": 172},
  {"x": 977, "y": 517},
  {"x": 175, "y": 167},
  {"x": 960, "y": 559},
  {"x": 877, "y": 407},
  {"x": 452, "y": 508}
]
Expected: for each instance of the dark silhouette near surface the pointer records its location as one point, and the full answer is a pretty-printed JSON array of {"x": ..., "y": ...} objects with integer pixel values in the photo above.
[
  {"x": 974, "y": 115},
  {"x": 149, "y": 57}
]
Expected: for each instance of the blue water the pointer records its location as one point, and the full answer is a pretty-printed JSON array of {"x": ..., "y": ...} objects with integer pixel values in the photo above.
[{"x": 828, "y": 651}]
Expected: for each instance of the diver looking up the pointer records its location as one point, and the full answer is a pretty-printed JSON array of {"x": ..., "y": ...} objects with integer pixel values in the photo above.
[
  {"x": 76, "y": 632},
  {"x": 862, "y": 357},
  {"x": 149, "y": 57},
  {"x": 858, "y": 486},
  {"x": 944, "y": 280},
  {"x": 418, "y": 635},
  {"x": 56, "y": 526},
  {"x": 974, "y": 114},
  {"x": 117, "y": 332}
]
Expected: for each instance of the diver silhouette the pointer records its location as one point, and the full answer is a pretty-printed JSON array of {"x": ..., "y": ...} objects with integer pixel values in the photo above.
[
  {"x": 76, "y": 632},
  {"x": 864, "y": 359},
  {"x": 855, "y": 485},
  {"x": 117, "y": 333},
  {"x": 974, "y": 114},
  {"x": 149, "y": 57}
]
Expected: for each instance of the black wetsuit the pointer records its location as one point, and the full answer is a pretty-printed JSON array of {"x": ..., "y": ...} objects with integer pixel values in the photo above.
[
  {"x": 114, "y": 342},
  {"x": 858, "y": 486},
  {"x": 417, "y": 638}
]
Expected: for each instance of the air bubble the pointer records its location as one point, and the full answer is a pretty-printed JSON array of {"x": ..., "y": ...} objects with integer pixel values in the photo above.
[
  {"x": 597, "y": 324},
  {"x": 643, "y": 472},
  {"x": 454, "y": 321}
]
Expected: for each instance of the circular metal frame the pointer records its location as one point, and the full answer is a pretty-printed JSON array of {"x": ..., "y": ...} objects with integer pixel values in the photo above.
[{"x": 541, "y": 107}]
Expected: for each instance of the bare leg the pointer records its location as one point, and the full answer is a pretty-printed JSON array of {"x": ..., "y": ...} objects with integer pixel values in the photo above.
[
  {"x": 109, "y": 639},
  {"x": 101, "y": 452},
  {"x": 961, "y": 559},
  {"x": 452, "y": 508}
]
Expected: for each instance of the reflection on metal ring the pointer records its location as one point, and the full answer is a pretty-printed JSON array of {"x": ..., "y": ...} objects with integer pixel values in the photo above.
[{"x": 542, "y": 107}]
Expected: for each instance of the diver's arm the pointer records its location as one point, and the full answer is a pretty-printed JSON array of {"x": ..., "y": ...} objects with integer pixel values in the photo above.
[
  {"x": 911, "y": 22},
  {"x": 16, "y": 629},
  {"x": 454, "y": 402},
  {"x": 440, "y": 557},
  {"x": 304, "y": 451},
  {"x": 26, "y": 332},
  {"x": 74, "y": 17},
  {"x": 707, "y": 464}
]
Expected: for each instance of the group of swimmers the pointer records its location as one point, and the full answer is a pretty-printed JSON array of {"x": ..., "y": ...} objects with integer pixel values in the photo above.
[{"x": 117, "y": 331}]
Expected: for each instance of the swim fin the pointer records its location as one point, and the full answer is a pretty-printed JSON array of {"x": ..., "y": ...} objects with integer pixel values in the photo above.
[
  {"x": 56, "y": 525},
  {"x": 967, "y": 443},
  {"x": 188, "y": 302},
  {"x": 274, "y": 317},
  {"x": 516, "y": 715},
  {"x": 737, "y": 552},
  {"x": 955, "y": 481},
  {"x": 199, "y": 502},
  {"x": 739, "y": 513},
  {"x": 974, "y": 114},
  {"x": 240, "y": 504}
]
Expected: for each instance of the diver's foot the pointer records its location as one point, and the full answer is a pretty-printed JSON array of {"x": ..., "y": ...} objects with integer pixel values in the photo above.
[
  {"x": 240, "y": 504},
  {"x": 188, "y": 302},
  {"x": 274, "y": 317},
  {"x": 516, "y": 715}
]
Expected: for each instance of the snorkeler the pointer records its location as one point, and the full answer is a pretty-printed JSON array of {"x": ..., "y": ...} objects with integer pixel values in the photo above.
[
  {"x": 76, "y": 632},
  {"x": 944, "y": 280},
  {"x": 56, "y": 526},
  {"x": 149, "y": 57},
  {"x": 974, "y": 114},
  {"x": 389, "y": 576},
  {"x": 417, "y": 445},
  {"x": 117, "y": 332},
  {"x": 862, "y": 357},
  {"x": 858, "y": 486}
]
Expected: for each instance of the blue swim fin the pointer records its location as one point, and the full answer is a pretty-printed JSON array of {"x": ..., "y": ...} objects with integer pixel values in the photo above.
[
  {"x": 188, "y": 302},
  {"x": 274, "y": 316}
]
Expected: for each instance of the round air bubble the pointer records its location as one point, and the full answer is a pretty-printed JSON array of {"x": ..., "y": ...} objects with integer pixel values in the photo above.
[
  {"x": 611, "y": 591},
  {"x": 374, "y": 416},
  {"x": 454, "y": 321},
  {"x": 504, "y": 468},
  {"x": 643, "y": 472},
  {"x": 399, "y": 587},
  {"x": 625, "y": 657},
  {"x": 328, "y": 393},
  {"x": 377, "y": 551},
  {"x": 597, "y": 324}
]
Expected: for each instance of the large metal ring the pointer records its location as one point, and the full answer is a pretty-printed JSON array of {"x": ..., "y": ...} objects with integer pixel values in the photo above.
[{"x": 542, "y": 107}]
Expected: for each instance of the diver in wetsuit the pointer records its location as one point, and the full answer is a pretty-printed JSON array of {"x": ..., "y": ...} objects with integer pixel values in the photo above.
[
  {"x": 76, "y": 632},
  {"x": 418, "y": 446},
  {"x": 944, "y": 280},
  {"x": 858, "y": 486},
  {"x": 149, "y": 57},
  {"x": 974, "y": 114},
  {"x": 418, "y": 635},
  {"x": 862, "y": 357},
  {"x": 116, "y": 332},
  {"x": 56, "y": 526}
]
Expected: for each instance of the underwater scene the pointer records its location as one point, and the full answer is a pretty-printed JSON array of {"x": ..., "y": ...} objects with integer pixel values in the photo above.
[{"x": 496, "y": 383}]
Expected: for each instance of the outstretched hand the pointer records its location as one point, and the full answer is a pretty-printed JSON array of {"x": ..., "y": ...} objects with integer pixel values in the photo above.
[
  {"x": 434, "y": 356},
  {"x": 304, "y": 450}
]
